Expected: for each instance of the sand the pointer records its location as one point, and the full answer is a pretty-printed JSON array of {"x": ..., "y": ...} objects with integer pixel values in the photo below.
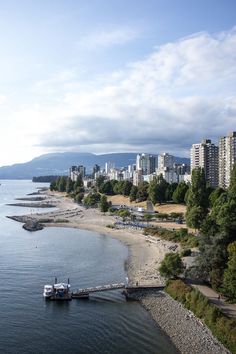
[{"x": 145, "y": 252}]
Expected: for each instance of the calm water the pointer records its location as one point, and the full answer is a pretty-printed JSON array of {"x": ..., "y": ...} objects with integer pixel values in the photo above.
[{"x": 105, "y": 323}]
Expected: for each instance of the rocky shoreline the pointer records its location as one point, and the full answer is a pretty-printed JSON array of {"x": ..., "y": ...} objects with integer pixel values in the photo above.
[
  {"x": 186, "y": 331},
  {"x": 33, "y": 205}
]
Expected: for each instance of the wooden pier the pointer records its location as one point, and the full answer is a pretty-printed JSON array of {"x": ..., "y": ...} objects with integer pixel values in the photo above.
[
  {"x": 128, "y": 289},
  {"x": 83, "y": 293},
  {"x": 62, "y": 291}
]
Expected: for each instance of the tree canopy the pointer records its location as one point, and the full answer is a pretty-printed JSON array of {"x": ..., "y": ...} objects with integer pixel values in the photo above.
[
  {"x": 197, "y": 203},
  {"x": 171, "y": 266}
]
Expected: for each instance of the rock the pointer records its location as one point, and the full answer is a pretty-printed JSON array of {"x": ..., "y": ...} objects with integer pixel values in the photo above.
[{"x": 32, "y": 225}]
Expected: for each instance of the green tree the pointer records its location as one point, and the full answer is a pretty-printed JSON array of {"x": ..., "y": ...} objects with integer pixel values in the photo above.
[
  {"x": 187, "y": 195},
  {"x": 79, "y": 197},
  {"x": 99, "y": 181},
  {"x": 217, "y": 232},
  {"x": 62, "y": 184},
  {"x": 157, "y": 190},
  {"x": 124, "y": 214},
  {"x": 142, "y": 193},
  {"x": 197, "y": 205},
  {"x": 78, "y": 183},
  {"x": 104, "y": 205},
  {"x": 194, "y": 217},
  {"x": 127, "y": 188},
  {"x": 170, "y": 191},
  {"x": 215, "y": 194},
  {"x": 180, "y": 192},
  {"x": 92, "y": 199},
  {"x": 118, "y": 187},
  {"x": 171, "y": 266},
  {"x": 69, "y": 185},
  {"x": 53, "y": 185},
  {"x": 106, "y": 188},
  {"x": 133, "y": 193},
  {"x": 229, "y": 282}
]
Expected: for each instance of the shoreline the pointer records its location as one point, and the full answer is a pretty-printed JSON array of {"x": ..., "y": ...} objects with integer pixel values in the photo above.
[{"x": 145, "y": 254}]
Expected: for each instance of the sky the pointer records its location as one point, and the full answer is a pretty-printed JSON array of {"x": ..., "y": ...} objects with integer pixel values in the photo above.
[{"x": 108, "y": 76}]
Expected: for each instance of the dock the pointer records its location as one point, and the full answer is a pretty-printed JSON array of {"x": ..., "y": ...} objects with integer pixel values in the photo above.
[
  {"x": 82, "y": 293},
  {"x": 128, "y": 289},
  {"x": 62, "y": 291}
]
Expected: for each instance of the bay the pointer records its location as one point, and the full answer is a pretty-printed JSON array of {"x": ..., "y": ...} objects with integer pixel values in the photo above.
[{"x": 106, "y": 323}]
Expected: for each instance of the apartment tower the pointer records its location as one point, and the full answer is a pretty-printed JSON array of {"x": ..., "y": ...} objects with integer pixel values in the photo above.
[
  {"x": 227, "y": 158},
  {"x": 146, "y": 163},
  {"x": 206, "y": 155}
]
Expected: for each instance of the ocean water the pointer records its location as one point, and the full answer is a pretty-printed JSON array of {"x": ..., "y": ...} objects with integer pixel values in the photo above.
[{"x": 106, "y": 323}]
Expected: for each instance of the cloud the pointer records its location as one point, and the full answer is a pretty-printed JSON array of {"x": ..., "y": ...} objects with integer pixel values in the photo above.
[
  {"x": 3, "y": 99},
  {"x": 108, "y": 38},
  {"x": 181, "y": 93}
]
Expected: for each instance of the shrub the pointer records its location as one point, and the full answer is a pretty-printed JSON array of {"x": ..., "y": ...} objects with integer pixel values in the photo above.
[
  {"x": 171, "y": 266},
  {"x": 181, "y": 236},
  {"x": 220, "y": 325}
]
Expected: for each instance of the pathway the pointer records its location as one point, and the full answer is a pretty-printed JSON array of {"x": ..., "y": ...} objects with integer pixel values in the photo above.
[{"x": 228, "y": 309}]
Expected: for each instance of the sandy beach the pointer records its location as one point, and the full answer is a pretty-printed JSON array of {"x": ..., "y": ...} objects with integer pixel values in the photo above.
[
  {"x": 145, "y": 252},
  {"x": 189, "y": 335}
]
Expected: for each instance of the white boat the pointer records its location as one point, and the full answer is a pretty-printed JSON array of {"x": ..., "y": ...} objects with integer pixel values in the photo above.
[
  {"x": 57, "y": 291},
  {"x": 47, "y": 291}
]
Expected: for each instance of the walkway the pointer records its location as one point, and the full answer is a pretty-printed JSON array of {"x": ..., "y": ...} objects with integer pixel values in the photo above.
[{"x": 228, "y": 309}]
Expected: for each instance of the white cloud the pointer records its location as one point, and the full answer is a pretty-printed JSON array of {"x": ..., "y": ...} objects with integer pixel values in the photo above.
[
  {"x": 181, "y": 93},
  {"x": 3, "y": 99},
  {"x": 108, "y": 38}
]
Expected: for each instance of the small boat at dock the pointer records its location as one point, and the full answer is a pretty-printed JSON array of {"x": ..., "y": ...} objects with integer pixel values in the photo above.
[
  {"x": 57, "y": 291},
  {"x": 47, "y": 291}
]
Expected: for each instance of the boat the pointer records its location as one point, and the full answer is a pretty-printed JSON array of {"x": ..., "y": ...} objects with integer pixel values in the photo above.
[
  {"x": 57, "y": 291},
  {"x": 47, "y": 291}
]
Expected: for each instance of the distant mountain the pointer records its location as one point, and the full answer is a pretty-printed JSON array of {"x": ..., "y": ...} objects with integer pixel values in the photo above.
[{"x": 59, "y": 164}]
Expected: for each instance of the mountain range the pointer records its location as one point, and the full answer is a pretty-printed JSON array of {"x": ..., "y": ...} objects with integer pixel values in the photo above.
[{"x": 59, "y": 164}]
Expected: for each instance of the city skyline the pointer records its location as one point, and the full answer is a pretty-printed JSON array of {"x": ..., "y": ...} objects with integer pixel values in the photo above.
[{"x": 114, "y": 77}]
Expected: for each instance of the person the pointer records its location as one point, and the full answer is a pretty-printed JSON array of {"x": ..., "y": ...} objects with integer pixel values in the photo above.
[{"x": 218, "y": 296}]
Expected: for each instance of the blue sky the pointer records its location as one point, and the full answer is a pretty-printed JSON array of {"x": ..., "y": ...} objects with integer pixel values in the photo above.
[{"x": 110, "y": 76}]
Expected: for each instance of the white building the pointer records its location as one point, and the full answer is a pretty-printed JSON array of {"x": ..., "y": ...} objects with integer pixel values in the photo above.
[
  {"x": 166, "y": 168},
  {"x": 227, "y": 158},
  {"x": 168, "y": 174},
  {"x": 137, "y": 177},
  {"x": 108, "y": 167},
  {"x": 206, "y": 155}
]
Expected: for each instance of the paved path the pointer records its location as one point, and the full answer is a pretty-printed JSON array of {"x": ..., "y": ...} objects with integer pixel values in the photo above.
[{"x": 228, "y": 309}]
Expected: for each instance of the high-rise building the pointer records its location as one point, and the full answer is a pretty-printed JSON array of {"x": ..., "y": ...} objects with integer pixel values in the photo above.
[
  {"x": 166, "y": 167},
  {"x": 146, "y": 163},
  {"x": 165, "y": 160},
  {"x": 108, "y": 167},
  {"x": 96, "y": 169},
  {"x": 227, "y": 158},
  {"x": 206, "y": 155},
  {"x": 75, "y": 171}
]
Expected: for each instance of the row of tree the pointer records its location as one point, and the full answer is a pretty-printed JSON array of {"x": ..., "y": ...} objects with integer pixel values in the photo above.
[
  {"x": 217, "y": 228},
  {"x": 158, "y": 190},
  {"x": 65, "y": 184}
]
